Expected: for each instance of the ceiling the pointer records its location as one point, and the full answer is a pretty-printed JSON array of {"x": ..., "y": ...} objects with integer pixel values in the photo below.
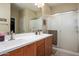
[
  {"x": 27, "y": 5},
  {"x": 32, "y": 5}
]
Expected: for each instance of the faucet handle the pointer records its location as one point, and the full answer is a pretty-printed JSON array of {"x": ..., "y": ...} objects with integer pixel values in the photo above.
[{"x": 36, "y": 33}]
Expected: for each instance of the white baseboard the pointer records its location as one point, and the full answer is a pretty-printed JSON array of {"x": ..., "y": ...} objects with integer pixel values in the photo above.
[{"x": 70, "y": 53}]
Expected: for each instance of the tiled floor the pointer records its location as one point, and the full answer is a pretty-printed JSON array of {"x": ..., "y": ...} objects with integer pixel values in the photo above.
[
  {"x": 62, "y": 52},
  {"x": 53, "y": 52}
]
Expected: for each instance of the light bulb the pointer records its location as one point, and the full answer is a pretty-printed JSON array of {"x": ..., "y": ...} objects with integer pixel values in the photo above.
[{"x": 39, "y": 5}]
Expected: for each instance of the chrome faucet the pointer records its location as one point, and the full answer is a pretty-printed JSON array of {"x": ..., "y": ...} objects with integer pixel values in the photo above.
[
  {"x": 37, "y": 32},
  {"x": 11, "y": 38}
]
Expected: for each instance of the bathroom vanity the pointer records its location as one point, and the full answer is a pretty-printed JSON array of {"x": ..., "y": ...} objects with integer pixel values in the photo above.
[{"x": 27, "y": 45}]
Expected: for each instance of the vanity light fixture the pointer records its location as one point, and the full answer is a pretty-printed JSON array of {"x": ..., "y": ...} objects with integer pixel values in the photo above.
[{"x": 39, "y": 5}]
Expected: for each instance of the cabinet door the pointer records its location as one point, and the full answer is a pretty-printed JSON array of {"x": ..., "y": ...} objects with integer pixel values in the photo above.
[
  {"x": 40, "y": 48},
  {"x": 48, "y": 46},
  {"x": 17, "y": 52},
  {"x": 29, "y": 50}
]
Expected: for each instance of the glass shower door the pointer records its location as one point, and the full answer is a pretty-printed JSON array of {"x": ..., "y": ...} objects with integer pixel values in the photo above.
[{"x": 64, "y": 23}]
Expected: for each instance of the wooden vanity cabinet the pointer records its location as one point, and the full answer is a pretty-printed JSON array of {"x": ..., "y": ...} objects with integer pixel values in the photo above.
[
  {"x": 48, "y": 46},
  {"x": 29, "y": 50},
  {"x": 44, "y": 47},
  {"x": 40, "y": 48}
]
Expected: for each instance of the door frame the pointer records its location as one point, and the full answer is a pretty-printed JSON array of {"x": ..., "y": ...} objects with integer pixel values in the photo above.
[{"x": 15, "y": 23}]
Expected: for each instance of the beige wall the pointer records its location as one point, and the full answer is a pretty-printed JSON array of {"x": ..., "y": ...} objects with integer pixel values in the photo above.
[
  {"x": 25, "y": 16},
  {"x": 38, "y": 13},
  {"x": 15, "y": 14},
  {"x": 78, "y": 6},
  {"x": 46, "y": 10},
  {"x": 63, "y": 8},
  {"x": 5, "y": 13}
]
